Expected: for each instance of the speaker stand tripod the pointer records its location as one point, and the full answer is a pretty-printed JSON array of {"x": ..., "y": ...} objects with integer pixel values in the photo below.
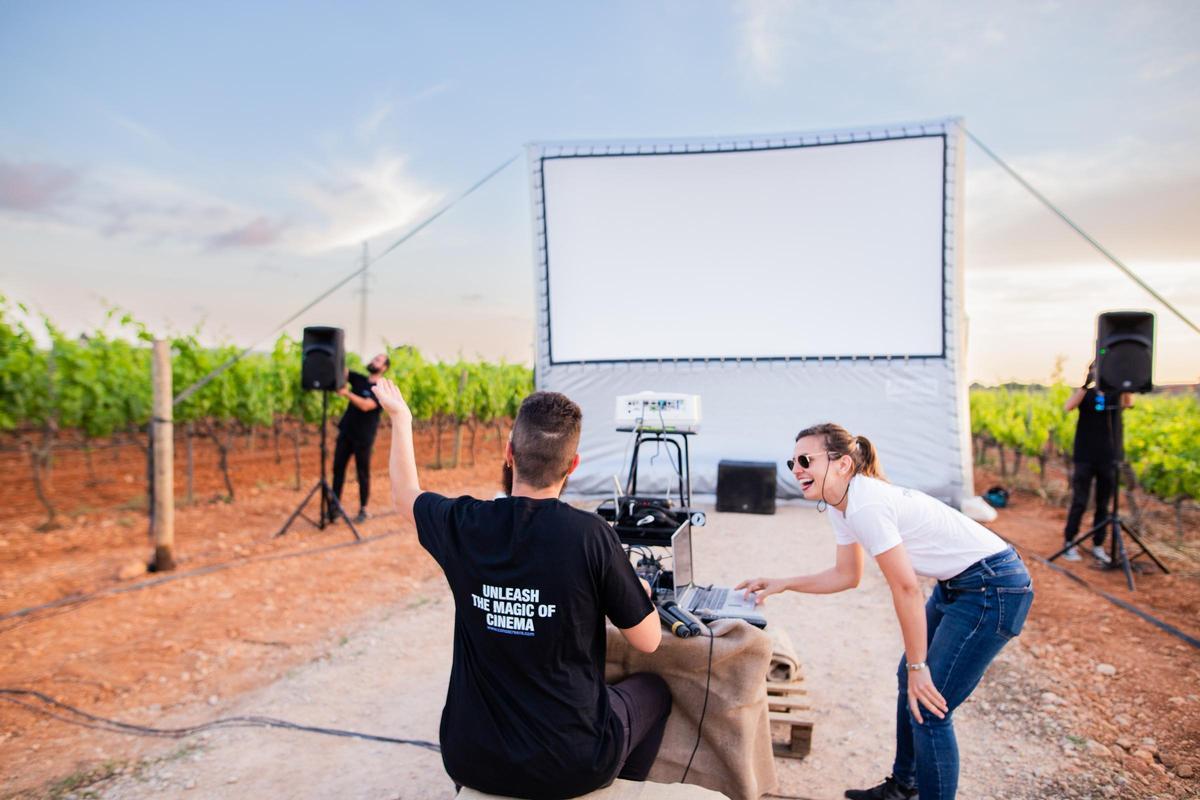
[
  {"x": 1116, "y": 525},
  {"x": 329, "y": 504}
]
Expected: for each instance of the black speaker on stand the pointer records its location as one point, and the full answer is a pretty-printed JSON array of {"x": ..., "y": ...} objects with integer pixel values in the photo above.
[
  {"x": 1125, "y": 351},
  {"x": 323, "y": 369},
  {"x": 1124, "y": 364}
]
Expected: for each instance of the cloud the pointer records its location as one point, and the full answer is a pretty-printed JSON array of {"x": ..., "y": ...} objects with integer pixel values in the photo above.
[
  {"x": 383, "y": 110},
  {"x": 36, "y": 186},
  {"x": 259, "y": 232},
  {"x": 119, "y": 202},
  {"x": 334, "y": 205},
  {"x": 134, "y": 127},
  {"x": 778, "y": 39},
  {"x": 1140, "y": 201},
  {"x": 1163, "y": 67},
  {"x": 761, "y": 47},
  {"x": 374, "y": 120},
  {"x": 350, "y": 203}
]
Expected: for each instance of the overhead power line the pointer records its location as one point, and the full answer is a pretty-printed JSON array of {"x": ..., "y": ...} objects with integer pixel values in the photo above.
[
  {"x": 1099, "y": 247},
  {"x": 364, "y": 265}
]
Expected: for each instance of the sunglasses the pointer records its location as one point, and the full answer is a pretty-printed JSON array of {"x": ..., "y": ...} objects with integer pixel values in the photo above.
[{"x": 805, "y": 461}]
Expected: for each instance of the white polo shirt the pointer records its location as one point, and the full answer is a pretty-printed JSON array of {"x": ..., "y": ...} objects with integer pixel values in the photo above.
[{"x": 940, "y": 541}]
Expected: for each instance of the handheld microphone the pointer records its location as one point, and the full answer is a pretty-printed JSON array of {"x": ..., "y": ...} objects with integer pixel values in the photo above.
[
  {"x": 678, "y": 628},
  {"x": 693, "y": 624}
]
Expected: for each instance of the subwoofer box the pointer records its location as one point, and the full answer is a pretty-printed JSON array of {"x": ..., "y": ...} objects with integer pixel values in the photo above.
[{"x": 746, "y": 487}]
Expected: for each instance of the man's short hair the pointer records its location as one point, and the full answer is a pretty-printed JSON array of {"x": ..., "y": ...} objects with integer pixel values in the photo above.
[{"x": 545, "y": 438}]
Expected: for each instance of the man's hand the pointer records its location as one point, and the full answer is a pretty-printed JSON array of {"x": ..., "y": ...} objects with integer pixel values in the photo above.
[
  {"x": 646, "y": 586},
  {"x": 388, "y": 395},
  {"x": 344, "y": 391},
  {"x": 762, "y": 588}
]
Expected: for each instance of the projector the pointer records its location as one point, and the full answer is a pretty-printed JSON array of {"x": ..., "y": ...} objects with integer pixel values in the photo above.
[{"x": 659, "y": 411}]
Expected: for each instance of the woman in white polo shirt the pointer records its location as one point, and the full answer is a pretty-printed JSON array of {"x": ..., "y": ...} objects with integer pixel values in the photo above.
[{"x": 980, "y": 601}]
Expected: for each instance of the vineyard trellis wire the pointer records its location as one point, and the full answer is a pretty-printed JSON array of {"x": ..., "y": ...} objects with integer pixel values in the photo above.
[{"x": 85, "y": 391}]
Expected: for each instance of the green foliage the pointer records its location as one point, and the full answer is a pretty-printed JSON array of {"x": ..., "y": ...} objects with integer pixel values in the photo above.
[
  {"x": 99, "y": 383},
  {"x": 24, "y": 381},
  {"x": 1162, "y": 442},
  {"x": 1026, "y": 421},
  {"x": 1162, "y": 433}
]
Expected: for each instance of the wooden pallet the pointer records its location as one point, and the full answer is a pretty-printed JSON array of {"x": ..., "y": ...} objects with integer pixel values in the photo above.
[{"x": 784, "y": 702}]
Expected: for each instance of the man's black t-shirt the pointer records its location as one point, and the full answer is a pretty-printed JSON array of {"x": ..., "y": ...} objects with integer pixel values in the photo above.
[
  {"x": 527, "y": 714},
  {"x": 1095, "y": 430},
  {"x": 357, "y": 425}
]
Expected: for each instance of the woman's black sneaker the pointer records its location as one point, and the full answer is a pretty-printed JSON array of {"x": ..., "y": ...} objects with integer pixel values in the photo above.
[{"x": 888, "y": 790}]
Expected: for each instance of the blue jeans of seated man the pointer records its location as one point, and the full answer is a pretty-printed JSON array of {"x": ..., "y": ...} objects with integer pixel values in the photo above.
[{"x": 968, "y": 618}]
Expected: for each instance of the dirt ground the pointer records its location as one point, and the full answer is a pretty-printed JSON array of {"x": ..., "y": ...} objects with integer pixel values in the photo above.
[
  {"x": 1091, "y": 701},
  {"x": 90, "y": 477},
  {"x": 189, "y": 642},
  {"x": 1134, "y": 688}
]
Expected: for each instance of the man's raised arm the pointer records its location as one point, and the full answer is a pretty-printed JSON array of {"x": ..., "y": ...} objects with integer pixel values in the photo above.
[{"x": 402, "y": 463}]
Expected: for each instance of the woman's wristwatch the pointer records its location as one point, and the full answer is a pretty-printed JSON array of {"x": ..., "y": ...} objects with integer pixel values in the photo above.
[{"x": 917, "y": 667}]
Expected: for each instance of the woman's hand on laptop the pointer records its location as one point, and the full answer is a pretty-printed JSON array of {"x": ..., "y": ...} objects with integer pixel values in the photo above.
[{"x": 761, "y": 588}]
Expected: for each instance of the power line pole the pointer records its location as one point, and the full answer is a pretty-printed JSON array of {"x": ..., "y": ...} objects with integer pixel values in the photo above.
[{"x": 362, "y": 308}]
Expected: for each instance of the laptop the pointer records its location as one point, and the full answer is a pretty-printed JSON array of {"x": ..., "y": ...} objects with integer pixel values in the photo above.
[{"x": 707, "y": 602}]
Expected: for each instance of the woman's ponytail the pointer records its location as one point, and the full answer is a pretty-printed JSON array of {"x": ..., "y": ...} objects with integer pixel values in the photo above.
[
  {"x": 866, "y": 458},
  {"x": 839, "y": 442}
]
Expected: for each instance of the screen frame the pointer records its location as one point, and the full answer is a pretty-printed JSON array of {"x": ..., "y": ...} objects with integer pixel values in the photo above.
[{"x": 717, "y": 148}]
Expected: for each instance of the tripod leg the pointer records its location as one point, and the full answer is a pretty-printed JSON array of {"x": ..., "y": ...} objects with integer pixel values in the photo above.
[
  {"x": 299, "y": 509},
  {"x": 1133, "y": 535},
  {"x": 333, "y": 501},
  {"x": 1077, "y": 540},
  {"x": 1122, "y": 554}
]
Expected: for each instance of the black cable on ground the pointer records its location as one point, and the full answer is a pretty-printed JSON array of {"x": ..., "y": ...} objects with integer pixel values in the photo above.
[
  {"x": 77, "y": 716},
  {"x": 703, "y": 709},
  {"x": 74, "y": 601},
  {"x": 1130, "y": 607},
  {"x": 1126, "y": 605}
]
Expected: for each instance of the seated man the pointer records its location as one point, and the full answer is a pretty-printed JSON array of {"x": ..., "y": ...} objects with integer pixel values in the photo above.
[{"x": 527, "y": 712}]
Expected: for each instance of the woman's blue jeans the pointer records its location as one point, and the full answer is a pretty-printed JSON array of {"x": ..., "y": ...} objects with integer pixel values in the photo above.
[{"x": 969, "y": 618}]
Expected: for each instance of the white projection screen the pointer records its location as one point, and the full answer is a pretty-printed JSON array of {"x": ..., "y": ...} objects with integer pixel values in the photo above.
[
  {"x": 787, "y": 279},
  {"x": 835, "y": 231}
]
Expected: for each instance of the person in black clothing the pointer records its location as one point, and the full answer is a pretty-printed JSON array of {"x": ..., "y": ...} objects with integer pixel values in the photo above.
[
  {"x": 357, "y": 429},
  {"x": 1094, "y": 459},
  {"x": 527, "y": 711}
]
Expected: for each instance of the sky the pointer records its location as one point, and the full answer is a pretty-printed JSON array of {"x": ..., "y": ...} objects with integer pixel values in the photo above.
[{"x": 221, "y": 164}]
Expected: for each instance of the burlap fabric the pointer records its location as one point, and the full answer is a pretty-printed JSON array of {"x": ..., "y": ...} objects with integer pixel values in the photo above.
[
  {"x": 734, "y": 756},
  {"x": 785, "y": 666},
  {"x": 624, "y": 790}
]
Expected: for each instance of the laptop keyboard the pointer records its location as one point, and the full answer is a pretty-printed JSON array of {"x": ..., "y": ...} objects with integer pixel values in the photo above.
[{"x": 713, "y": 599}]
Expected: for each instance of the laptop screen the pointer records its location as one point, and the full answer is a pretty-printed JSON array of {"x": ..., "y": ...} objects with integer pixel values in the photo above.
[{"x": 681, "y": 557}]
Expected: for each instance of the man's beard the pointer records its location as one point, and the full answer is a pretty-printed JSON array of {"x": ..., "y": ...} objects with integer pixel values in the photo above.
[{"x": 374, "y": 370}]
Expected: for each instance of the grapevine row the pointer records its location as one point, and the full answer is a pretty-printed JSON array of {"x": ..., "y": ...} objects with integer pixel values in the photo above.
[
  {"x": 98, "y": 386},
  {"x": 1162, "y": 436}
]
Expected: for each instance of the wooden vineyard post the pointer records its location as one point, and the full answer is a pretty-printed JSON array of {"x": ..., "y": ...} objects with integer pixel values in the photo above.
[
  {"x": 164, "y": 459},
  {"x": 458, "y": 416},
  {"x": 191, "y": 464}
]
